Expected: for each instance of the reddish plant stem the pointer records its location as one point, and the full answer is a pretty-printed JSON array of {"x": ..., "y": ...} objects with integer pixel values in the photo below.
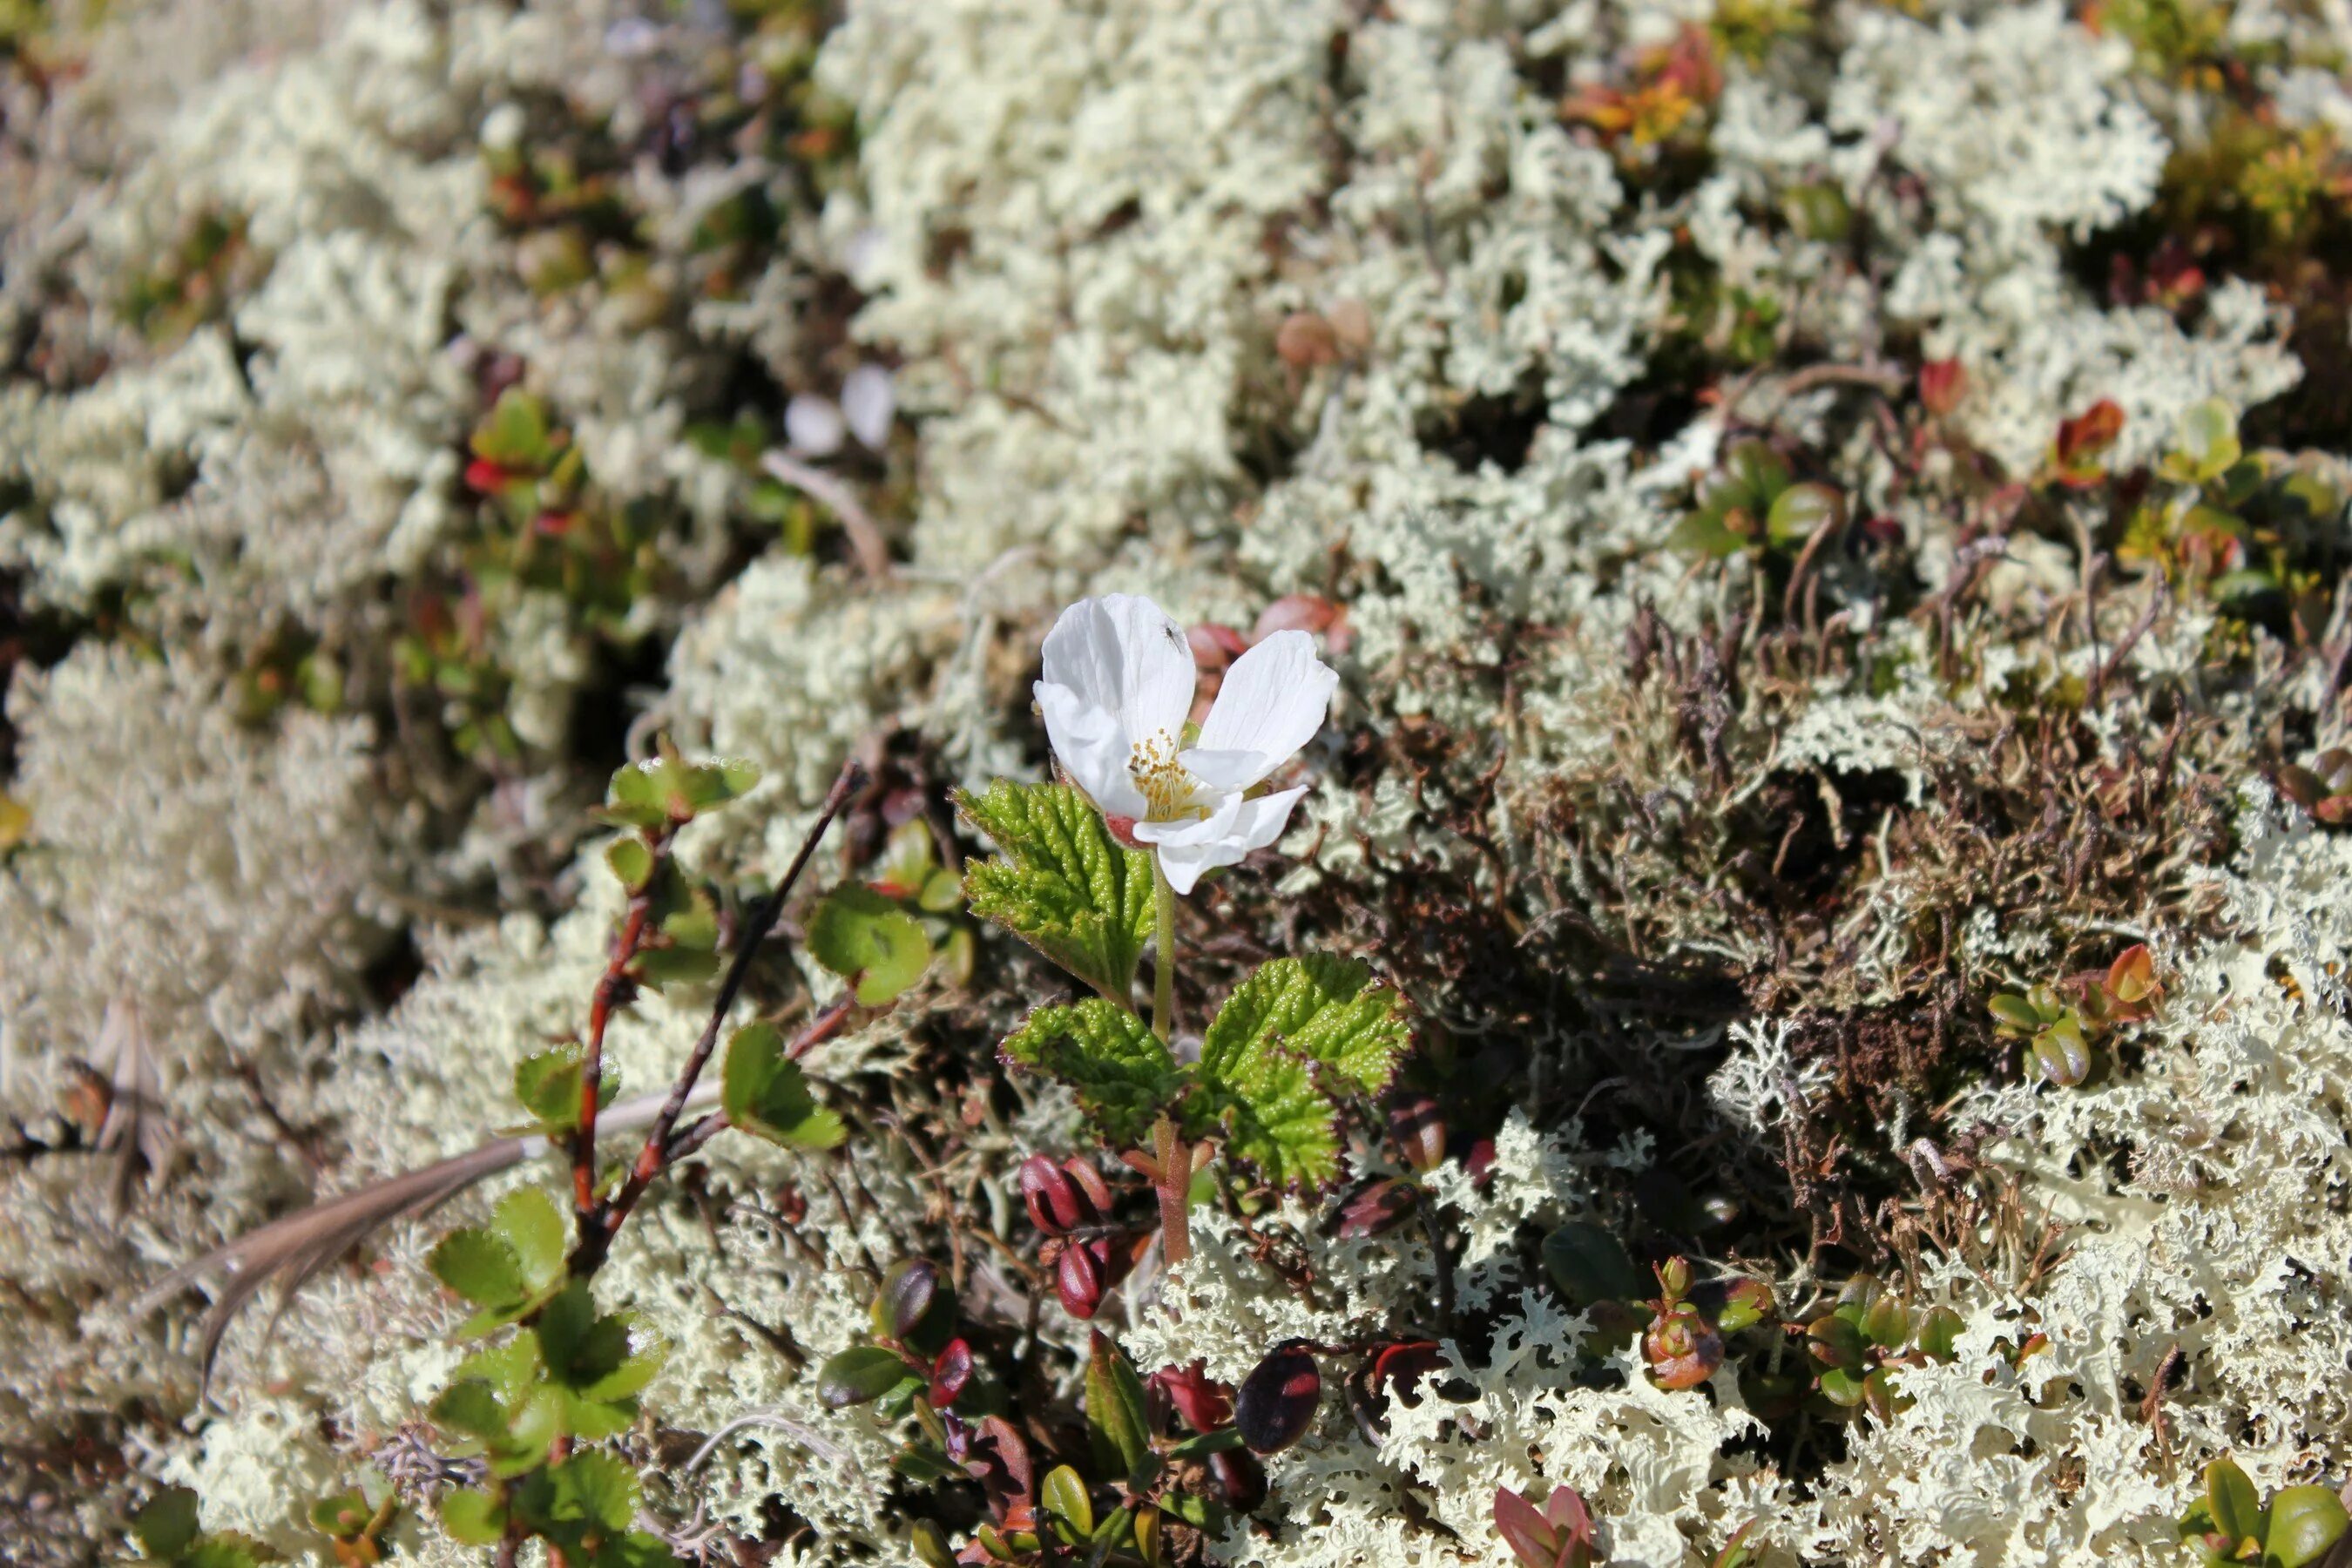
[
  {"x": 651, "y": 1162},
  {"x": 596, "y": 1231},
  {"x": 612, "y": 989}
]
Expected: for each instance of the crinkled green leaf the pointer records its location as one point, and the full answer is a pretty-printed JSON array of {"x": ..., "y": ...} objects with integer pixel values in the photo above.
[
  {"x": 868, "y": 940},
  {"x": 1275, "y": 1115},
  {"x": 1321, "y": 1006},
  {"x": 1290, "y": 1036},
  {"x": 578, "y": 1344},
  {"x": 1120, "y": 1071},
  {"x": 1061, "y": 883},
  {"x": 765, "y": 1093}
]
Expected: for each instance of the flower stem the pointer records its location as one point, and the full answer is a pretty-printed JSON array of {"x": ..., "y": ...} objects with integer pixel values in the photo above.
[{"x": 1163, "y": 962}]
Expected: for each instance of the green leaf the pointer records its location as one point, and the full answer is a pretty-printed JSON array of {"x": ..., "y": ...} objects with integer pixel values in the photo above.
[
  {"x": 667, "y": 789},
  {"x": 765, "y": 1093},
  {"x": 1706, "y": 532},
  {"x": 2304, "y": 1522},
  {"x": 2209, "y": 443},
  {"x": 515, "y": 435},
  {"x": 470, "y": 1408},
  {"x": 480, "y": 1267},
  {"x": 1118, "y": 1427},
  {"x": 226, "y": 1549},
  {"x": 1843, "y": 1388},
  {"x": 859, "y": 1376},
  {"x": 168, "y": 1525},
  {"x": 1287, "y": 1040},
  {"x": 1590, "y": 1265},
  {"x": 659, "y": 967},
  {"x": 344, "y": 1516},
  {"x": 512, "y": 1369},
  {"x": 868, "y": 940},
  {"x": 1326, "y": 1008},
  {"x": 1753, "y": 478},
  {"x": 1800, "y": 511},
  {"x": 1276, "y": 1116},
  {"x": 1063, "y": 1493},
  {"x": 2237, "y": 1510},
  {"x": 1121, "y": 1073},
  {"x": 1886, "y": 1324},
  {"x": 474, "y": 1517},
  {"x": 530, "y": 1224},
  {"x": 632, "y": 861},
  {"x": 1061, "y": 883},
  {"x": 591, "y": 1492},
  {"x": 548, "y": 1084}
]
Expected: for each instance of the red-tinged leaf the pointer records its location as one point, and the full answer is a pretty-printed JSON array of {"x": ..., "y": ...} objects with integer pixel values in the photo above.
[
  {"x": 1524, "y": 1528},
  {"x": 1377, "y": 1208},
  {"x": 950, "y": 1374},
  {"x": 1090, "y": 1186},
  {"x": 1055, "y": 1205},
  {"x": 1079, "y": 1280},
  {"x": 1683, "y": 1348},
  {"x": 486, "y": 478},
  {"x": 1399, "y": 1368},
  {"x": 1202, "y": 1405},
  {"x": 1565, "y": 1508},
  {"x": 2085, "y": 437},
  {"x": 2132, "y": 975},
  {"x": 1277, "y": 1401},
  {"x": 1295, "y": 612},
  {"x": 1240, "y": 1478},
  {"x": 906, "y": 1296},
  {"x": 1942, "y": 382},
  {"x": 1417, "y": 1130}
]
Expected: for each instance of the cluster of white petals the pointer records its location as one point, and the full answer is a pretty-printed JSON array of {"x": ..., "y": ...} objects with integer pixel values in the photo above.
[{"x": 1119, "y": 679}]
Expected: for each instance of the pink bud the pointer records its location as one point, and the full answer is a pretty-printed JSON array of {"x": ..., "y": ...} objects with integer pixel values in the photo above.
[
  {"x": 1215, "y": 646},
  {"x": 1295, "y": 612}
]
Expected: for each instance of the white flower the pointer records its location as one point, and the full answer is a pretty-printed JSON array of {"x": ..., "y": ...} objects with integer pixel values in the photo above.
[
  {"x": 869, "y": 401},
  {"x": 1118, "y": 687}
]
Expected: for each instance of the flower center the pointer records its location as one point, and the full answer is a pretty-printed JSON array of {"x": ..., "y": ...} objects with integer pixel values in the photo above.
[{"x": 1168, "y": 790}]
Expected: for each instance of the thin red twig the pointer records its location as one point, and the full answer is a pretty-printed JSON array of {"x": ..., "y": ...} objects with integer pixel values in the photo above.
[
  {"x": 612, "y": 989},
  {"x": 596, "y": 1236}
]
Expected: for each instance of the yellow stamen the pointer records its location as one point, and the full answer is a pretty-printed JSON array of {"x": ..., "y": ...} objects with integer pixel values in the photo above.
[{"x": 1169, "y": 790}]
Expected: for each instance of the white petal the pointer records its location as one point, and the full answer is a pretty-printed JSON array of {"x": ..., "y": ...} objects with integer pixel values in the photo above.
[
  {"x": 1273, "y": 700},
  {"x": 1227, "y": 773},
  {"x": 812, "y": 424},
  {"x": 1092, "y": 747},
  {"x": 1122, "y": 654},
  {"x": 869, "y": 401},
  {"x": 1186, "y": 849}
]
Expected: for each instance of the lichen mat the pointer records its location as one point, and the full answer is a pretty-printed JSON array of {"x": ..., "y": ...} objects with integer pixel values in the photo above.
[{"x": 1571, "y": 782}]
